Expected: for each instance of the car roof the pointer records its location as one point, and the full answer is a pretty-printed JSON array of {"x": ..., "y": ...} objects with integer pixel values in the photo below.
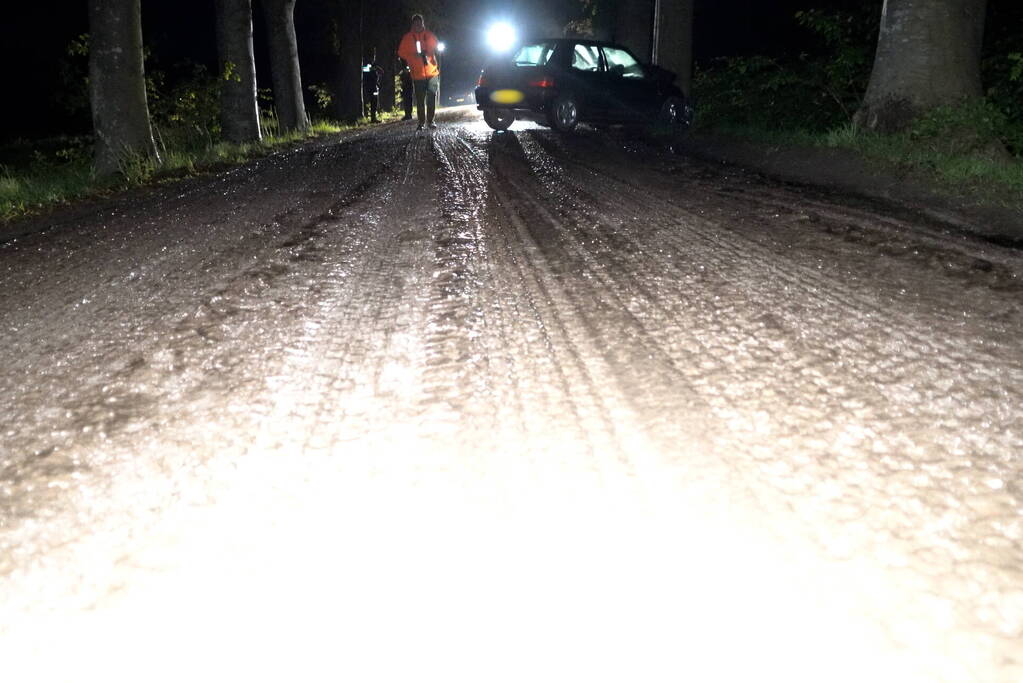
[{"x": 573, "y": 41}]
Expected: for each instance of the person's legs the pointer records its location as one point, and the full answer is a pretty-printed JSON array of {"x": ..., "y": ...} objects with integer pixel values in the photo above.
[
  {"x": 374, "y": 106},
  {"x": 420, "y": 87},
  {"x": 406, "y": 102},
  {"x": 433, "y": 87}
]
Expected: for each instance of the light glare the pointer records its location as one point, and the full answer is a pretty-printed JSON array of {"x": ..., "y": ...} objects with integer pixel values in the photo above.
[{"x": 501, "y": 37}]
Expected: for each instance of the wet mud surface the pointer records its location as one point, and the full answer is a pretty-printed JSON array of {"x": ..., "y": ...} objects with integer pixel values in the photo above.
[{"x": 478, "y": 406}]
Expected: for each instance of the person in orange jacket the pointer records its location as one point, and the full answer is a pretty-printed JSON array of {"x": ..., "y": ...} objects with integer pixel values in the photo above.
[{"x": 418, "y": 48}]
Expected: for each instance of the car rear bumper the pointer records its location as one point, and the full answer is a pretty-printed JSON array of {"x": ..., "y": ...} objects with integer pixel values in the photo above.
[{"x": 533, "y": 105}]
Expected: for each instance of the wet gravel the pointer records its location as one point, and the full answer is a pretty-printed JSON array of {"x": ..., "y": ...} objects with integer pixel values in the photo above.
[{"x": 473, "y": 406}]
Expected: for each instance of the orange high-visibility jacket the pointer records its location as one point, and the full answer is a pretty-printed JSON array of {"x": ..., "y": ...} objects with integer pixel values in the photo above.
[{"x": 407, "y": 51}]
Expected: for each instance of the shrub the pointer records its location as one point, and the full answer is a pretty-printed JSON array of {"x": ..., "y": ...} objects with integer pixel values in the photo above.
[{"x": 187, "y": 113}]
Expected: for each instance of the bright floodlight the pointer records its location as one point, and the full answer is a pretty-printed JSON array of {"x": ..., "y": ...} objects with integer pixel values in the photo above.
[
  {"x": 441, "y": 46},
  {"x": 501, "y": 37}
]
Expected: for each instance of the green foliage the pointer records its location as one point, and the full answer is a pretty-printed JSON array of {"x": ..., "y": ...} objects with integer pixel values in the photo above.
[
  {"x": 765, "y": 91},
  {"x": 43, "y": 173},
  {"x": 322, "y": 98},
  {"x": 972, "y": 127},
  {"x": 230, "y": 73},
  {"x": 72, "y": 95},
  {"x": 818, "y": 91},
  {"x": 79, "y": 46},
  {"x": 809, "y": 99},
  {"x": 135, "y": 167},
  {"x": 815, "y": 90},
  {"x": 268, "y": 121},
  {"x": 1003, "y": 74},
  {"x": 1016, "y": 70},
  {"x": 186, "y": 113}
]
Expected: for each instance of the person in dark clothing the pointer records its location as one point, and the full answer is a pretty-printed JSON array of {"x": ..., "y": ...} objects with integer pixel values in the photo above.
[
  {"x": 371, "y": 74},
  {"x": 406, "y": 90}
]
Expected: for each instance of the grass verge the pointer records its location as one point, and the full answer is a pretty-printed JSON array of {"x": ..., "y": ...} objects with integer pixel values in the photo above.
[
  {"x": 37, "y": 180},
  {"x": 987, "y": 174}
]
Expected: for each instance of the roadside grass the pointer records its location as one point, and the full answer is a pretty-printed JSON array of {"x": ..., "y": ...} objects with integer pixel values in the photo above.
[
  {"x": 33, "y": 180},
  {"x": 989, "y": 174}
]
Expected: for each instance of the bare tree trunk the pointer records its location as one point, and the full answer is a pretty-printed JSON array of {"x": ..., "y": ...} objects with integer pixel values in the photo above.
[
  {"x": 634, "y": 26},
  {"x": 239, "y": 111},
  {"x": 284, "y": 67},
  {"x": 387, "y": 19},
  {"x": 605, "y": 16},
  {"x": 928, "y": 54},
  {"x": 117, "y": 84},
  {"x": 348, "y": 79},
  {"x": 673, "y": 39}
]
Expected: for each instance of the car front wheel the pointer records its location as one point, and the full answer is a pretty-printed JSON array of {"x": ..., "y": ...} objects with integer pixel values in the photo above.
[
  {"x": 564, "y": 113},
  {"x": 676, "y": 114},
  {"x": 498, "y": 119}
]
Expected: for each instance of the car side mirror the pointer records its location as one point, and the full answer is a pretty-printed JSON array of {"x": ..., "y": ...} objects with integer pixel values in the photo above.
[{"x": 617, "y": 70}]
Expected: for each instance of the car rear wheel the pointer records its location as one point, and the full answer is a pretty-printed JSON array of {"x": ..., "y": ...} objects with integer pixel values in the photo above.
[
  {"x": 564, "y": 113},
  {"x": 498, "y": 119}
]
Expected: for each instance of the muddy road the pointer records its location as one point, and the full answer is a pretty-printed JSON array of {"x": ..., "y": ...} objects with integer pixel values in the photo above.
[{"x": 467, "y": 406}]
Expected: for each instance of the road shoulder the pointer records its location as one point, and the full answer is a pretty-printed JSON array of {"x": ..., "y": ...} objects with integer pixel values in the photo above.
[{"x": 848, "y": 172}]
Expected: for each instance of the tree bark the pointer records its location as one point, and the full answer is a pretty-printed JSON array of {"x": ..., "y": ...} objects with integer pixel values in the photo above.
[
  {"x": 387, "y": 92},
  {"x": 239, "y": 110},
  {"x": 604, "y": 19},
  {"x": 117, "y": 85},
  {"x": 348, "y": 79},
  {"x": 284, "y": 67},
  {"x": 634, "y": 26},
  {"x": 387, "y": 27},
  {"x": 928, "y": 54},
  {"x": 673, "y": 40}
]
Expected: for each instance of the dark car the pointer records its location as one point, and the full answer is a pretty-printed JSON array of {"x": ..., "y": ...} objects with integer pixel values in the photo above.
[{"x": 559, "y": 82}]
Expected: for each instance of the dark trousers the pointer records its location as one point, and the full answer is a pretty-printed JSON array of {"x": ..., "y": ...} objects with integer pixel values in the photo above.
[
  {"x": 407, "y": 101},
  {"x": 426, "y": 98},
  {"x": 371, "y": 101}
]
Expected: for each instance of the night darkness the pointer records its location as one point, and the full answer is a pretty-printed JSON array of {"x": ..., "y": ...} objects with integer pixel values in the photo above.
[{"x": 34, "y": 42}]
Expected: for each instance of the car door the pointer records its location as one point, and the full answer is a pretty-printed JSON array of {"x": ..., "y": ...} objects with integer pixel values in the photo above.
[
  {"x": 588, "y": 80},
  {"x": 632, "y": 95}
]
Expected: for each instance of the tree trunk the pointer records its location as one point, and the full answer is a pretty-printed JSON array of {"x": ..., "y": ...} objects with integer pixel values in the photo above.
[
  {"x": 284, "y": 68},
  {"x": 387, "y": 92},
  {"x": 348, "y": 79},
  {"x": 673, "y": 39},
  {"x": 239, "y": 111},
  {"x": 928, "y": 54},
  {"x": 385, "y": 24},
  {"x": 117, "y": 85},
  {"x": 634, "y": 26},
  {"x": 604, "y": 18}
]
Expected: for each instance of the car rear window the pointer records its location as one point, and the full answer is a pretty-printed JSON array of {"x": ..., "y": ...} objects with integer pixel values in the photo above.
[{"x": 534, "y": 55}]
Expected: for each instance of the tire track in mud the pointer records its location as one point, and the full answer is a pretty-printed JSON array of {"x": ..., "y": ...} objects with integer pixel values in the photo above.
[
  {"x": 812, "y": 283},
  {"x": 850, "y": 298},
  {"x": 597, "y": 263},
  {"x": 898, "y": 487},
  {"x": 644, "y": 409},
  {"x": 470, "y": 319},
  {"x": 861, "y": 229},
  {"x": 177, "y": 371},
  {"x": 529, "y": 275}
]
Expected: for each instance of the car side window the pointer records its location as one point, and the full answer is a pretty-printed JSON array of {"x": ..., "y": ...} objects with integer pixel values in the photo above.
[
  {"x": 586, "y": 58},
  {"x": 533, "y": 55},
  {"x": 621, "y": 63}
]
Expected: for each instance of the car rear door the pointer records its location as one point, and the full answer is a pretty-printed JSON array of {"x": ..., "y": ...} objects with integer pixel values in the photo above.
[
  {"x": 587, "y": 80},
  {"x": 632, "y": 95}
]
